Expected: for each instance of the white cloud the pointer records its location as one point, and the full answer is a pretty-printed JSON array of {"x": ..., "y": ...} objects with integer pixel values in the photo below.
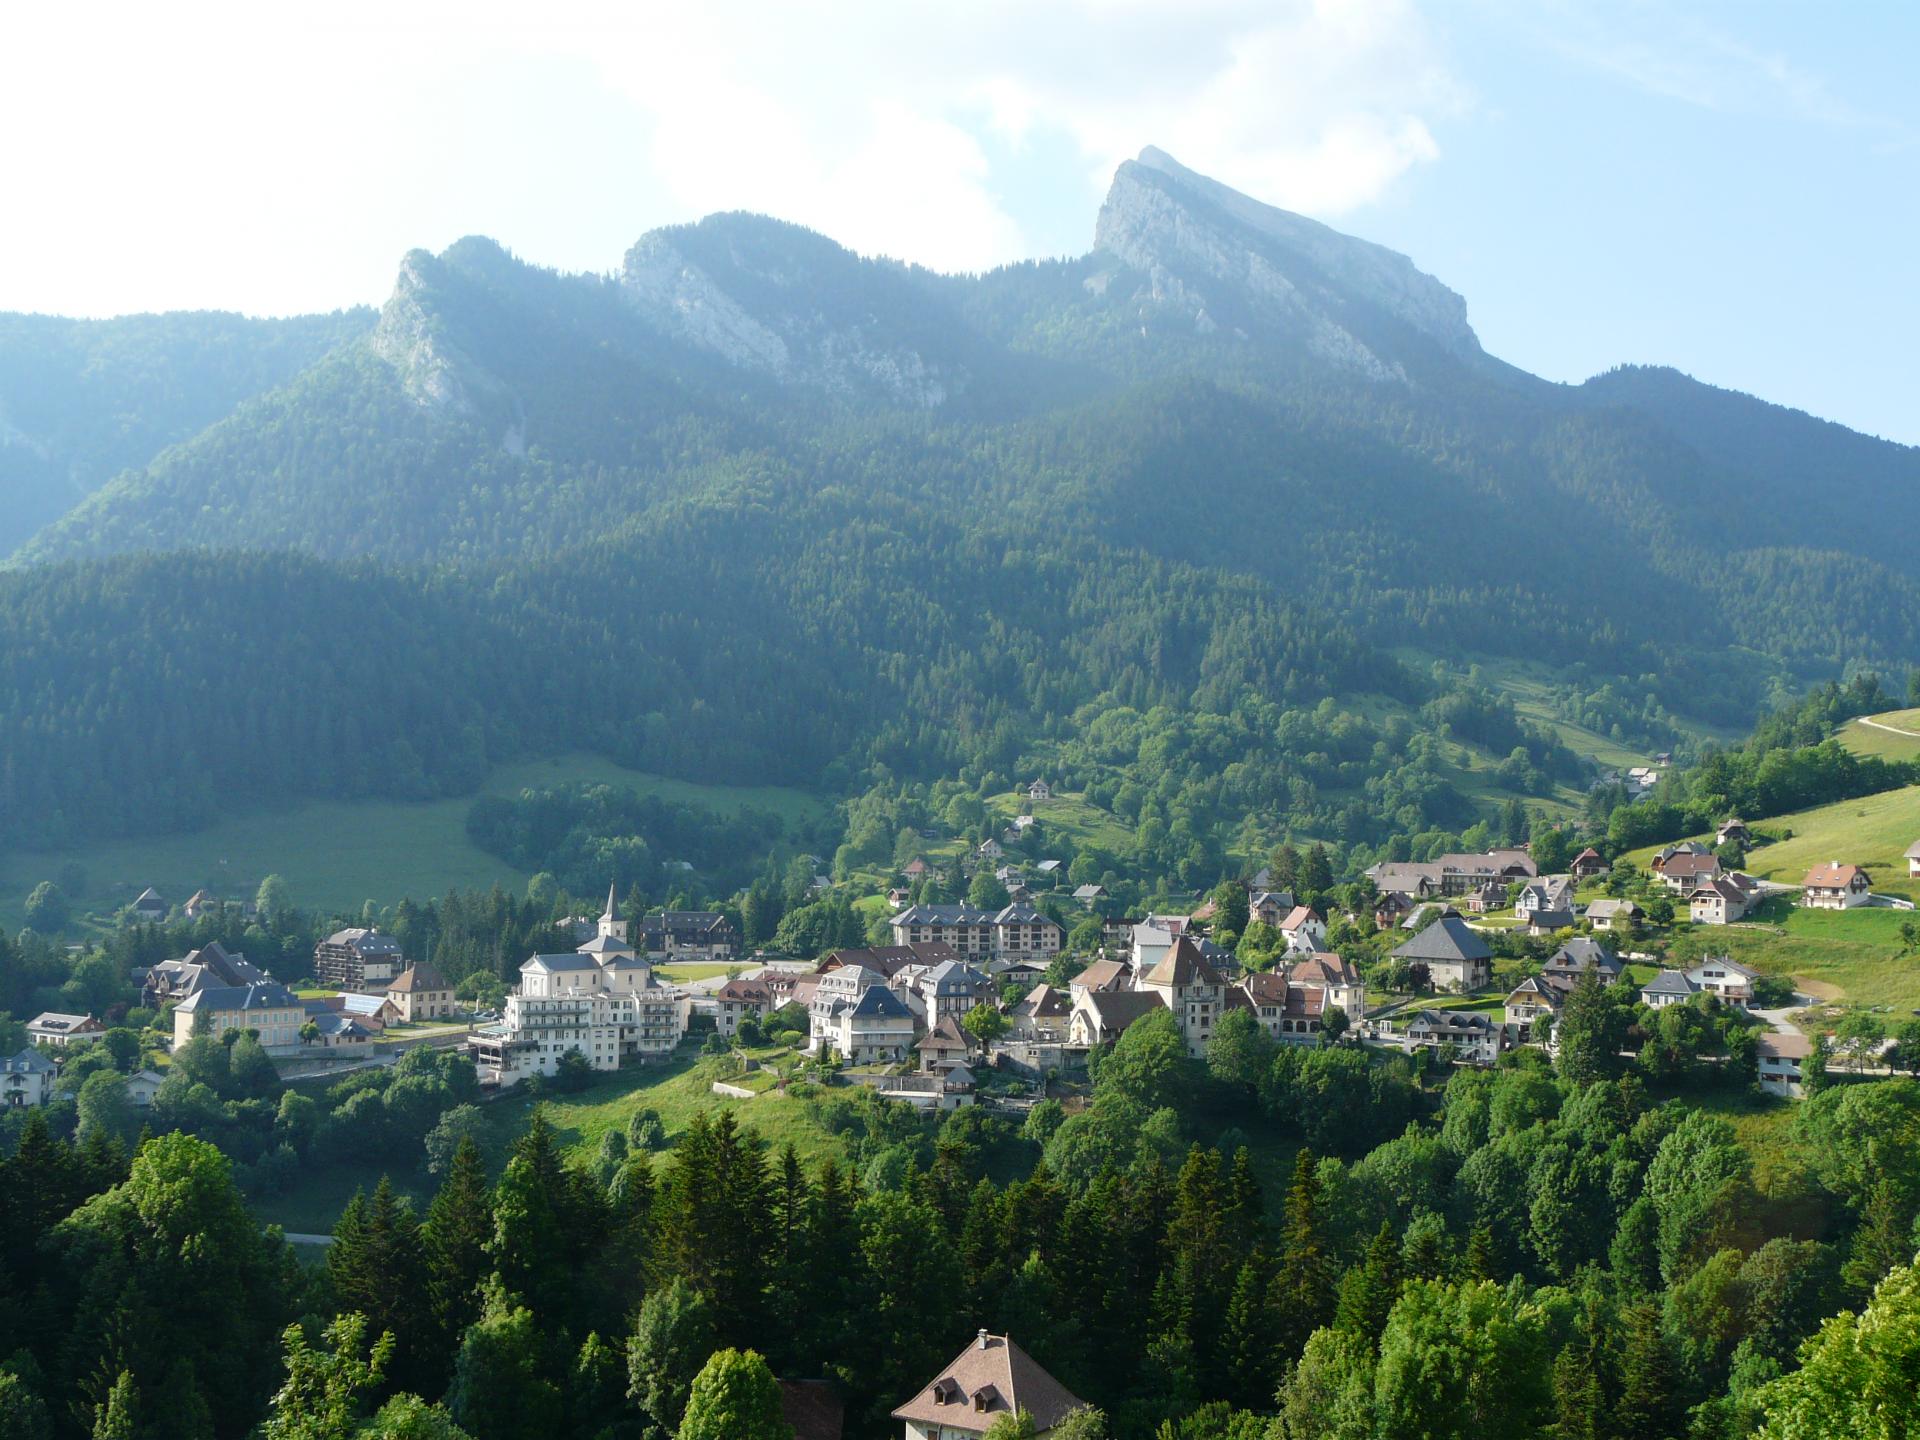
[{"x": 281, "y": 157}]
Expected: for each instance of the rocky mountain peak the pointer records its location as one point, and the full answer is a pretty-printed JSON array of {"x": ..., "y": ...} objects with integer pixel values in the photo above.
[{"x": 1203, "y": 244}]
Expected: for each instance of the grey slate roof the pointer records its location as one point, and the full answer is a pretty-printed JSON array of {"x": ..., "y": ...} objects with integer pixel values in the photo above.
[
  {"x": 28, "y": 1062},
  {"x": 879, "y": 1000},
  {"x": 1670, "y": 982},
  {"x": 1447, "y": 939},
  {"x": 267, "y": 995},
  {"x": 555, "y": 963}
]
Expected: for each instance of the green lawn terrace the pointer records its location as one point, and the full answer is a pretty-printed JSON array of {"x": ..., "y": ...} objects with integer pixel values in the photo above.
[{"x": 336, "y": 855}]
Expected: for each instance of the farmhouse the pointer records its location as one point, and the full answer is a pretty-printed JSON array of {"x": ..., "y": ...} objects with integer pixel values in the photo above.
[
  {"x": 1722, "y": 900},
  {"x": 1836, "y": 887},
  {"x": 151, "y": 905},
  {"x": 1913, "y": 861},
  {"x": 1733, "y": 830},
  {"x": 1589, "y": 864}
]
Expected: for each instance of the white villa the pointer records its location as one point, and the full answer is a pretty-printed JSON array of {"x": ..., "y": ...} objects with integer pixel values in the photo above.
[{"x": 601, "y": 1001}]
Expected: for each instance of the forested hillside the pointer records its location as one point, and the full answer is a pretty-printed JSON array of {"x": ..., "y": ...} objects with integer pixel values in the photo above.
[
  {"x": 756, "y": 509},
  {"x": 82, "y": 400}
]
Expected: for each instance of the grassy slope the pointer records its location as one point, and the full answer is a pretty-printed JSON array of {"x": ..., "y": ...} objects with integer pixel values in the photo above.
[
  {"x": 1854, "y": 955},
  {"x": 1871, "y": 740},
  {"x": 335, "y": 855}
]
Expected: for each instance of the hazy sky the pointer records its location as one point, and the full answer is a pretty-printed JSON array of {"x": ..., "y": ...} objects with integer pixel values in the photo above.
[{"x": 1730, "y": 188}]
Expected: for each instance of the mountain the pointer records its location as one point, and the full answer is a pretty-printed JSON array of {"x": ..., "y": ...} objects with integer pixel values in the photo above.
[
  {"x": 1227, "y": 463},
  {"x": 82, "y": 400}
]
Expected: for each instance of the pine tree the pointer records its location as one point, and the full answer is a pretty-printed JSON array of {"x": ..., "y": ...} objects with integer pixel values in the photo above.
[
  {"x": 1482, "y": 1263},
  {"x": 1368, "y": 1290},
  {"x": 1649, "y": 1390},
  {"x": 117, "y": 1417},
  {"x": 1576, "y": 1398},
  {"x": 1303, "y": 1284},
  {"x": 1248, "y": 1365},
  {"x": 1883, "y": 1240},
  {"x": 458, "y": 1226}
]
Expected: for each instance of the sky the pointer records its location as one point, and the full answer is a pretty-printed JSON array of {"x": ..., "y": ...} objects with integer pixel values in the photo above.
[{"x": 1729, "y": 188}]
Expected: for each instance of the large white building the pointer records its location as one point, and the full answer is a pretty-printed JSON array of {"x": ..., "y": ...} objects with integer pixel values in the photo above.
[{"x": 602, "y": 1001}]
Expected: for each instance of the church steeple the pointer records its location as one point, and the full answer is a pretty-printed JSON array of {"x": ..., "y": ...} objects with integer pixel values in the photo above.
[{"x": 612, "y": 927}]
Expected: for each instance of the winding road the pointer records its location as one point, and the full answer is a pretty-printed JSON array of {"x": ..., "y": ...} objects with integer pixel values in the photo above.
[{"x": 1890, "y": 729}]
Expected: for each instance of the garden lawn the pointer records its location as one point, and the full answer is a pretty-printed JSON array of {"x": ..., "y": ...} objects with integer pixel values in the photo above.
[
  {"x": 678, "y": 1093},
  {"x": 1857, "y": 954}
]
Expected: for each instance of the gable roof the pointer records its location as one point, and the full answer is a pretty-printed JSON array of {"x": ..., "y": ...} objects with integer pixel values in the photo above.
[
  {"x": 949, "y": 1034},
  {"x": 1323, "y": 967},
  {"x": 1670, "y": 982},
  {"x": 1298, "y": 916},
  {"x": 1832, "y": 877},
  {"x": 418, "y": 976},
  {"x": 1685, "y": 865},
  {"x": 554, "y": 963},
  {"x": 1117, "y": 1009},
  {"x": 1583, "y": 952},
  {"x": 879, "y": 1001},
  {"x": 1044, "y": 1002},
  {"x": 1182, "y": 965},
  {"x": 991, "y": 1377},
  {"x": 1100, "y": 975},
  {"x": 1447, "y": 939}
]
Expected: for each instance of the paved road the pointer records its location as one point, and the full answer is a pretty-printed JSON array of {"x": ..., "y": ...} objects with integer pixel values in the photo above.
[
  {"x": 1778, "y": 1018},
  {"x": 297, "y": 1239}
]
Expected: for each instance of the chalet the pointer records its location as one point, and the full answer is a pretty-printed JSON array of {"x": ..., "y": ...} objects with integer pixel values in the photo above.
[
  {"x": 1722, "y": 900},
  {"x": 1836, "y": 887},
  {"x": 1685, "y": 872},
  {"x": 1612, "y": 914},
  {"x": 1580, "y": 954},
  {"x": 1537, "y": 995},
  {"x": 991, "y": 1378},
  {"x": 1389, "y": 909},
  {"x": 1669, "y": 987},
  {"x": 989, "y": 850},
  {"x": 1780, "y": 1055},
  {"x": 697, "y": 935},
  {"x": 50, "y": 1027},
  {"x": 1733, "y": 831},
  {"x": 1487, "y": 900},
  {"x": 1666, "y": 852},
  {"x": 1476, "y": 1036},
  {"x": 268, "y": 1009},
  {"x": 1455, "y": 956},
  {"x": 1304, "y": 931},
  {"x": 947, "y": 1044},
  {"x": 357, "y": 959},
  {"x": 1089, "y": 895},
  {"x": 1549, "y": 892},
  {"x": 1722, "y": 976},
  {"x": 376, "y": 1012},
  {"x": 1048, "y": 870},
  {"x": 915, "y": 868},
  {"x": 739, "y": 999},
  {"x": 1546, "y": 922},
  {"x": 150, "y": 905},
  {"x": 1589, "y": 864},
  {"x": 1039, "y": 790},
  {"x": 420, "y": 992},
  {"x": 1913, "y": 861},
  {"x": 26, "y": 1080}
]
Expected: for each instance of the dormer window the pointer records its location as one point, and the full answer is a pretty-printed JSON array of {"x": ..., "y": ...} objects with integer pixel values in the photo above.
[
  {"x": 945, "y": 1392},
  {"x": 985, "y": 1398}
]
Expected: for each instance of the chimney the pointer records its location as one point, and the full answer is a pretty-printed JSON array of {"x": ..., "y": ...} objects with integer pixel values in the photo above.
[{"x": 983, "y": 1337}]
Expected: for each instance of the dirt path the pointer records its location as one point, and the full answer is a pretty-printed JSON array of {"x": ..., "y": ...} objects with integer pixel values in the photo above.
[{"x": 1890, "y": 729}]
